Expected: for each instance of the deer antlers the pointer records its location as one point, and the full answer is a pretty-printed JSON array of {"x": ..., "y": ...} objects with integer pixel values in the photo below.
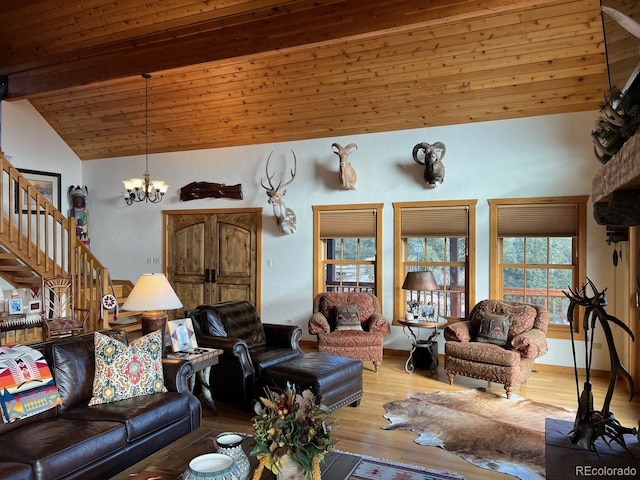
[{"x": 271, "y": 190}]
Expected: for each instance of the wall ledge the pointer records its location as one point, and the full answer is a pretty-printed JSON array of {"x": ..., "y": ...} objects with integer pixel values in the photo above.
[{"x": 621, "y": 173}]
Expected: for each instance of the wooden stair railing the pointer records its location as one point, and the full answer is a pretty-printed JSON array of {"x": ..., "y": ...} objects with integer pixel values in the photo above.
[{"x": 43, "y": 239}]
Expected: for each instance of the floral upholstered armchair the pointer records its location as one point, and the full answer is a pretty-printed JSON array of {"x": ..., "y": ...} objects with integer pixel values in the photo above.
[
  {"x": 350, "y": 325},
  {"x": 499, "y": 342}
]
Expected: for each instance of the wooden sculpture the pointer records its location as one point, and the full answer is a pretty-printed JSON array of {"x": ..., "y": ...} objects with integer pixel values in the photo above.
[{"x": 197, "y": 190}]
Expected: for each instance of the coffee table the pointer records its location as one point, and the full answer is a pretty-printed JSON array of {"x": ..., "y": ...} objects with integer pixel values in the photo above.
[{"x": 173, "y": 459}]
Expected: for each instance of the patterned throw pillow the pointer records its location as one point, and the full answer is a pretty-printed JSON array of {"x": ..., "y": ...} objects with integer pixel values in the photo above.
[
  {"x": 26, "y": 384},
  {"x": 494, "y": 329},
  {"x": 348, "y": 317},
  {"x": 127, "y": 371}
]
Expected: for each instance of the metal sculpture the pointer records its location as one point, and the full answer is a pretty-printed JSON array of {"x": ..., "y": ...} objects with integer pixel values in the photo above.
[
  {"x": 348, "y": 177},
  {"x": 433, "y": 166},
  {"x": 285, "y": 217},
  {"x": 591, "y": 424}
]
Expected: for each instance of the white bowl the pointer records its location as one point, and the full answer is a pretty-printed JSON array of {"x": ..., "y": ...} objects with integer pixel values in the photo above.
[{"x": 211, "y": 466}]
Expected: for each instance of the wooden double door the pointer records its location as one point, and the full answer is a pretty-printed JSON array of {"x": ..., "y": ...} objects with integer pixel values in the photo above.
[{"x": 213, "y": 256}]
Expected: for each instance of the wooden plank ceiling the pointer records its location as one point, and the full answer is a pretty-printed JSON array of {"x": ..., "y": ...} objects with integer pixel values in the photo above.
[{"x": 240, "y": 72}]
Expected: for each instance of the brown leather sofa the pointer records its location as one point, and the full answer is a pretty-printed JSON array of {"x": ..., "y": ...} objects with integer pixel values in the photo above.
[
  {"x": 75, "y": 441},
  {"x": 249, "y": 348}
]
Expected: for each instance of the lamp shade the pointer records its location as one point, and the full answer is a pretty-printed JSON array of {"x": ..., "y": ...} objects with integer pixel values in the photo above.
[
  {"x": 420, "y": 281},
  {"x": 152, "y": 291}
]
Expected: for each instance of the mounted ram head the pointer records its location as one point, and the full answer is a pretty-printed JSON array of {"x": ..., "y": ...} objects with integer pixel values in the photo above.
[
  {"x": 432, "y": 156},
  {"x": 348, "y": 177}
]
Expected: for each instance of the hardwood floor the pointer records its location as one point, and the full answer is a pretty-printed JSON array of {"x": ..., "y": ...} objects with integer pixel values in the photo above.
[{"x": 360, "y": 429}]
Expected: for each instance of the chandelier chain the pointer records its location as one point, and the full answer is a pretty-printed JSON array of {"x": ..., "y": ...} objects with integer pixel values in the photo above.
[{"x": 143, "y": 189}]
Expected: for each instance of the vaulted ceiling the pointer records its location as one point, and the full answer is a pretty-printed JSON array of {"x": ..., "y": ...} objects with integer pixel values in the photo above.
[{"x": 239, "y": 72}]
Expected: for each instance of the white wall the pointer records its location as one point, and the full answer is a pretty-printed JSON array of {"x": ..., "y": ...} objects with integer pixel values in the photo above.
[{"x": 541, "y": 156}]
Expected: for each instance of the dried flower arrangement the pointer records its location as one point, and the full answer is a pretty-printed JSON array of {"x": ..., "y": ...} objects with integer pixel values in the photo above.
[{"x": 291, "y": 423}]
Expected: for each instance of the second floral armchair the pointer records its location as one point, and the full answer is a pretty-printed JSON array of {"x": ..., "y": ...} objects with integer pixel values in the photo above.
[{"x": 350, "y": 325}]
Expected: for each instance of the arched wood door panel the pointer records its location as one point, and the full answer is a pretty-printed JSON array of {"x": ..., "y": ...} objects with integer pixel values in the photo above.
[{"x": 213, "y": 256}]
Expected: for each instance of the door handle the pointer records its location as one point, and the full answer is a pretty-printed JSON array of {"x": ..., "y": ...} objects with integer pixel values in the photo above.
[{"x": 210, "y": 275}]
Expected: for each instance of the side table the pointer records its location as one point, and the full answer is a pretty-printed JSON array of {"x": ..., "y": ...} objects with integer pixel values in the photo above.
[
  {"x": 416, "y": 343},
  {"x": 202, "y": 359}
]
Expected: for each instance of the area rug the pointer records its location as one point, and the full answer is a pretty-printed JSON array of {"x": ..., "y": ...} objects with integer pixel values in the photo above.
[
  {"x": 490, "y": 431},
  {"x": 372, "y": 468}
]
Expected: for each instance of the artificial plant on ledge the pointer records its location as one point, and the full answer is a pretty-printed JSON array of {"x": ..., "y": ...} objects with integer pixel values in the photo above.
[{"x": 619, "y": 121}]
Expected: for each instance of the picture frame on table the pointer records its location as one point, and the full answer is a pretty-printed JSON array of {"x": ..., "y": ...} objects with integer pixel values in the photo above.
[
  {"x": 427, "y": 313},
  {"x": 183, "y": 336},
  {"x": 47, "y": 183}
]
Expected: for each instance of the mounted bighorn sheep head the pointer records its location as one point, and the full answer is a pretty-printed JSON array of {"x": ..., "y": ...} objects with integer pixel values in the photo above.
[
  {"x": 433, "y": 166},
  {"x": 348, "y": 177},
  {"x": 285, "y": 217}
]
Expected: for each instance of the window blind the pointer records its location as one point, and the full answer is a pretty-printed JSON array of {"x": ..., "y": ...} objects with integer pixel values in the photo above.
[
  {"x": 542, "y": 220},
  {"x": 435, "y": 221},
  {"x": 347, "y": 223}
]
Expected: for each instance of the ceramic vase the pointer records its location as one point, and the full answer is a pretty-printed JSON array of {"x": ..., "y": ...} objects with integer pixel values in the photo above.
[
  {"x": 230, "y": 443},
  {"x": 291, "y": 470}
]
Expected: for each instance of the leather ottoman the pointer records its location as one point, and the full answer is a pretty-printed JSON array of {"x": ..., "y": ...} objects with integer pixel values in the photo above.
[{"x": 337, "y": 381}]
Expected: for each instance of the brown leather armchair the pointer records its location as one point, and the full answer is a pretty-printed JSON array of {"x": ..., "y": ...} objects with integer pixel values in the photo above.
[
  {"x": 249, "y": 348},
  {"x": 350, "y": 325},
  {"x": 499, "y": 342}
]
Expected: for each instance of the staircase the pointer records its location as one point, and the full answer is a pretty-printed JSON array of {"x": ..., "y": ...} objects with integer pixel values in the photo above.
[{"x": 41, "y": 242}]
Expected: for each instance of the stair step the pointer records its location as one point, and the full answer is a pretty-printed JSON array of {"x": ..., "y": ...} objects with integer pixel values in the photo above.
[{"x": 14, "y": 268}]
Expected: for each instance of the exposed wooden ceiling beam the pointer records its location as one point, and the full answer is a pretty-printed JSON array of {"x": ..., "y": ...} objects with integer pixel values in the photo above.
[{"x": 210, "y": 37}]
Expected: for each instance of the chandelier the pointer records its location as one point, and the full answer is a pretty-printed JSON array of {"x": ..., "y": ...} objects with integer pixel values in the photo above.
[{"x": 144, "y": 189}]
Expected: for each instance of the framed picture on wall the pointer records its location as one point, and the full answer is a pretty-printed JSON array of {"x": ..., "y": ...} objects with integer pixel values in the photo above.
[
  {"x": 47, "y": 183},
  {"x": 15, "y": 306},
  {"x": 34, "y": 306}
]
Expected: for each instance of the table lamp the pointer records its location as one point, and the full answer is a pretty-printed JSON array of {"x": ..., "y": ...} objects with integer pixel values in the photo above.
[
  {"x": 153, "y": 295},
  {"x": 419, "y": 281}
]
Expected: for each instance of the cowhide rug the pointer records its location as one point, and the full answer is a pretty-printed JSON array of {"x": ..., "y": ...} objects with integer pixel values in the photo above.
[{"x": 485, "y": 429}]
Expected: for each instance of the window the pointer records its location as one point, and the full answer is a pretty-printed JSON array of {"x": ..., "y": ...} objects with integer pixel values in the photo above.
[
  {"x": 348, "y": 248},
  {"x": 440, "y": 237},
  {"x": 538, "y": 249}
]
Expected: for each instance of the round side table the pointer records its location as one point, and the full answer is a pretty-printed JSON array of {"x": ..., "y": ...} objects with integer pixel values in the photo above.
[{"x": 416, "y": 343}]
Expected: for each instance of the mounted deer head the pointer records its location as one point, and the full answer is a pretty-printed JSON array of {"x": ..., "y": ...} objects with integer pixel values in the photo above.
[
  {"x": 285, "y": 217},
  {"x": 433, "y": 166},
  {"x": 348, "y": 177}
]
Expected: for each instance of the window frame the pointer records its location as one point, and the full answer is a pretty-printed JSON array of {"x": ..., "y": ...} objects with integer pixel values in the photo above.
[
  {"x": 319, "y": 244},
  {"x": 401, "y": 264},
  {"x": 579, "y": 252}
]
